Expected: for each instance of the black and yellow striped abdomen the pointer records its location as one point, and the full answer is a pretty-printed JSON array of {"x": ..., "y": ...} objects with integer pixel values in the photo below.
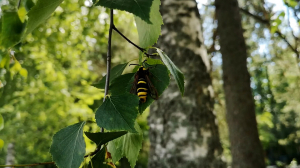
[{"x": 142, "y": 89}]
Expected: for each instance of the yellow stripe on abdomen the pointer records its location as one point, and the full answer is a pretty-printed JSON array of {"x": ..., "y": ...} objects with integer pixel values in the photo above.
[
  {"x": 142, "y": 94},
  {"x": 139, "y": 82},
  {"x": 141, "y": 89}
]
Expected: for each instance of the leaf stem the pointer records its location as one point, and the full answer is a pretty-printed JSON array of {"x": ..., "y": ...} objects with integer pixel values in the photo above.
[
  {"x": 108, "y": 62},
  {"x": 129, "y": 41},
  {"x": 108, "y": 59},
  {"x": 19, "y": 3},
  {"x": 26, "y": 165}
]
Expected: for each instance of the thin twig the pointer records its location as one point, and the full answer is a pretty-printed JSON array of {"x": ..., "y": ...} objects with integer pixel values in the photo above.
[
  {"x": 258, "y": 18},
  {"x": 267, "y": 22},
  {"x": 25, "y": 165},
  {"x": 108, "y": 62},
  {"x": 129, "y": 41},
  {"x": 19, "y": 3}
]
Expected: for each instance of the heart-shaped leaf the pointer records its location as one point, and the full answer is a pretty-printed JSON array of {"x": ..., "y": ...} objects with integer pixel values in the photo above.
[
  {"x": 68, "y": 146},
  {"x": 118, "y": 112}
]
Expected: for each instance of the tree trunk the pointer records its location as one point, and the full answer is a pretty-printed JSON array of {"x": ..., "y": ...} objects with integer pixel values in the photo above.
[
  {"x": 246, "y": 149},
  {"x": 183, "y": 130},
  {"x": 10, "y": 157}
]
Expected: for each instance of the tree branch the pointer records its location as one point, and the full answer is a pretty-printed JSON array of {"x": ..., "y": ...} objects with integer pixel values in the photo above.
[
  {"x": 267, "y": 22},
  {"x": 28, "y": 165},
  {"x": 129, "y": 41},
  {"x": 108, "y": 65},
  {"x": 258, "y": 18}
]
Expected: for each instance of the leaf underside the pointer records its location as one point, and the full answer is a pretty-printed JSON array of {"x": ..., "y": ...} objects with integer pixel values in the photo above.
[
  {"x": 101, "y": 138},
  {"x": 140, "y": 8},
  {"x": 178, "y": 75}
]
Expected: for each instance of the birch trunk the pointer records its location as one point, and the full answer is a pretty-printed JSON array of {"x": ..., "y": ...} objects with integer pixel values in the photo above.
[{"x": 183, "y": 130}]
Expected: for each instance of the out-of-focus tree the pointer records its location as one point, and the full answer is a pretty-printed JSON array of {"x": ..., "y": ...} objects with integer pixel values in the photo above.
[{"x": 183, "y": 131}]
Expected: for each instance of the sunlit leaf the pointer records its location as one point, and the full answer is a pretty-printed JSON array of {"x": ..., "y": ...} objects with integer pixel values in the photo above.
[
  {"x": 178, "y": 75},
  {"x": 39, "y": 13},
  {"x": 128, "y": 145},
  {"x": 1, "y": 122},
  {"x": 149, "y": 33},
  {"x": 68, "y": 146},
  {"x": 1, "y": 143}
]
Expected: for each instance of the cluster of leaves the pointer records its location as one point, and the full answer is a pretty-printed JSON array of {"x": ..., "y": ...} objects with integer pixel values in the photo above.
[{"x": 119, "y": 111}]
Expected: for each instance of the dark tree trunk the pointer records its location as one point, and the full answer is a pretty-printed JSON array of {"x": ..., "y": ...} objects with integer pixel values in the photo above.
[
  {"x": 183, "y": 130},
  {"x": 246, "y": 149}
]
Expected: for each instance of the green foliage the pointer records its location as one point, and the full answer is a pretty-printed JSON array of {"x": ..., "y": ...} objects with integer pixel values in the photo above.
[
  {"x": 140, "y": 8},
  {"x": 114, "y": 73},
  {"x": 39, "y": 13},
  {"x": 122, "y": 84},
  {"x": 118, "y": 112},
  {"x": 48, "y": 80},
  {"x": 68, "y": 146},
  {"x": 101, "y": 138},
  {"x": 1, "y": 143},
  {"x": 11, "y": 30},
  {"x": 128, "y": 145},
  {"x": 98, "y": 160},
  {"x": 149, "y": 33},
  {"x": 1, "y": 122},
  {"x": 178, "y": 75}
]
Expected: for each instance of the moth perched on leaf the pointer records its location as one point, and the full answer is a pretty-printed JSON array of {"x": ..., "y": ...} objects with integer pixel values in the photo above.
[{"x": 142, "y": 85}]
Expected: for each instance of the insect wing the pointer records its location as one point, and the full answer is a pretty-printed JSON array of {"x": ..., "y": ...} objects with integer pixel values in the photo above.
[
  {"x": 152, "y": 90},
  {"x": 133, "y": 89}
]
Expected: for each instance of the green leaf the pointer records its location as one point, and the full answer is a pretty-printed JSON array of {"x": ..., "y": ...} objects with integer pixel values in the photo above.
[
  {"x": 149, "y": 33},
  {"x": 98, "y": 160},
  {"x": 28, "y": 4},
  {"x": 118, "y": 112},
  {"x": 114, "y": 73},
  {"x": 120, "y": 84},
  {"x": 128, "y": 145},
  {"x": 1, "y": 122},
  {"x": 12, "y": 29},
  {"x": 140, "y": 8},
  {"x": 39, "y": 13},
  {"x": 1, "y": 143},
  {"x": 178, "y": 75},
  {"x": 68, "y": 146},
  {"x": 101, "y": 138}
]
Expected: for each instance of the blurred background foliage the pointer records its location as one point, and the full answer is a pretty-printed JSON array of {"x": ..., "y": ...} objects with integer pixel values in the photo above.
[{"x": 45, "y": 81}]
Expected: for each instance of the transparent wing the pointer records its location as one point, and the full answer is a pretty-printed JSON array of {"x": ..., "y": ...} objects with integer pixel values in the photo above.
[
  {"x": 133, "y": 89},
  {"x": 152, "y": 90}
]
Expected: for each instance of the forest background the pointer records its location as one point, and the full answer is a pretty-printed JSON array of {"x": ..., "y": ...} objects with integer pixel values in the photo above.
[{"x": 47, "y": 86}]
